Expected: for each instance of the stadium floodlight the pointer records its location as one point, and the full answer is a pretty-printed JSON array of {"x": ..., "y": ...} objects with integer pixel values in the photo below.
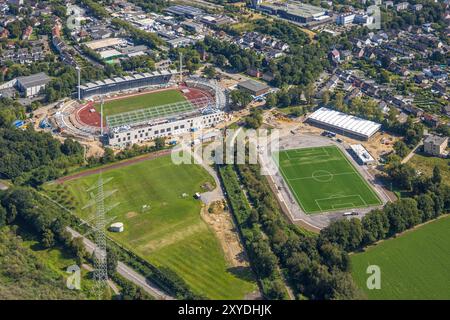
[{"x": 79, "y": 82}]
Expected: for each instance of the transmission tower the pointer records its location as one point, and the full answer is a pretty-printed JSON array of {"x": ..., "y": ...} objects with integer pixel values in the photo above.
[{"x": 98, "y": 223}]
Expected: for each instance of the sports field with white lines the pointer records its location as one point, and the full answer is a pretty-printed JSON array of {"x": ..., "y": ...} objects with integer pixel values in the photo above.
[{"x": 322, "y": 179}]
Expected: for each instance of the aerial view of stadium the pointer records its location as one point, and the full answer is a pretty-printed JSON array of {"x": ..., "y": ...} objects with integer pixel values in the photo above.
[{"x": 206, "y": 159}]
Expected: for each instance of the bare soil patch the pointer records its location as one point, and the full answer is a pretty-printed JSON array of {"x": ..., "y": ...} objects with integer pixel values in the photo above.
[{"x": 220, "y": 221}]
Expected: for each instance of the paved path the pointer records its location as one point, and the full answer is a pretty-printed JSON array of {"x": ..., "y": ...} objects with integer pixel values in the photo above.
[
  {"x": 126, "y": 272},
  {"x": 413, "y": 152}
]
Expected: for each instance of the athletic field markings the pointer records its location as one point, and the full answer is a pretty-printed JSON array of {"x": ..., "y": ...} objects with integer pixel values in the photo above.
[
  {"x": 361, "y": 176},
  {"x": 295, "y": 159}
]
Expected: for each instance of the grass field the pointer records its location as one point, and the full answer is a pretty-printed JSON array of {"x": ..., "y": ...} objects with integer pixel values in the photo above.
[
  {"x": 425, "y": 164},
  {"x": 323, "y": 179},
  {"x": 140, "y": 102},
  {"x": 413, "y": 266},
  {"x": 170, "y": 231}
]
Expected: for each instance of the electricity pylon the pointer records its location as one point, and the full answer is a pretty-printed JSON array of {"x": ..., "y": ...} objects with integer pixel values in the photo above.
[{"x": 98, "y": 223}]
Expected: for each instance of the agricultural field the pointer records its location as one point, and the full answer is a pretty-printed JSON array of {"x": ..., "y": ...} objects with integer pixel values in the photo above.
[
  {"x": 152, "y": 99},
  {"x": 322, "y": 179},
  {"x": 425, "y": 165},
  {"x": 163, "y": 224},
  {"x": 413, "y": 266}
]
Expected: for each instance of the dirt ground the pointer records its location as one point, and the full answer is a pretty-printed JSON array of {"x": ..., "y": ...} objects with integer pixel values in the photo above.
[{"x": 220, "y": 221}]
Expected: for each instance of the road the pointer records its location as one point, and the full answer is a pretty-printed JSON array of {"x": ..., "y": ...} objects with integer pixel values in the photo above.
[{"x": 126, "y": 272}]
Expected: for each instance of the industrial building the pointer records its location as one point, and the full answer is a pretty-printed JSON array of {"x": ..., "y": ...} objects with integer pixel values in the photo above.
[
  {"x": 126, "y": 83},
  {"x": 185, "y": 11},
  {"x": 255, "y": 88},
  {"x": 33, "y": 85},
  {"x": 341, "y": 123},
  {"x": 295, "y": 11}
]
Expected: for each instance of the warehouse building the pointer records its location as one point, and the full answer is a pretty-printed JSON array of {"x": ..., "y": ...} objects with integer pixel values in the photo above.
[
  {"x": 255, "y": 88},
  {"x": 295, "y": 11},
  {"x": 126, "y": 83},
  {"x": 341, "y": 123},
  {"x": 31, "y": 86},
  {"x": 185, "y": 11}
]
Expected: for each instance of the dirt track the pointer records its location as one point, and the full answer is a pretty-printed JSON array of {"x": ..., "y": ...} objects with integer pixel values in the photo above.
[{"x": 116, "y": 165}]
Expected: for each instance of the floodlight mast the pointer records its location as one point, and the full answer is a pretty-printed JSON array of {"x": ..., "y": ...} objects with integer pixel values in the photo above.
[
  {"x": 101, "y": 118},
  {"x": 181, "y": 67},
  {"x": 79, "y": 82}
]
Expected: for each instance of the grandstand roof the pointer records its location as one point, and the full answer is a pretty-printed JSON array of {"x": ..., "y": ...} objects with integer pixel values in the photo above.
[
  {"x": 143, "y": 115},
  {"x": 344, "y": 121},
  {"x": 130, "y": 77}
]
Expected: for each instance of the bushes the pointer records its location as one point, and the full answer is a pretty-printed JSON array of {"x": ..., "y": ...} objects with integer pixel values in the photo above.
[
  {"x": 32, "y": 157},
  {"x": 263, "y": 260}
]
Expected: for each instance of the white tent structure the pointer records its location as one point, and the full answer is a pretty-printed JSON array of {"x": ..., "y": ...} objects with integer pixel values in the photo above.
[{"x": 344, "y": 124}]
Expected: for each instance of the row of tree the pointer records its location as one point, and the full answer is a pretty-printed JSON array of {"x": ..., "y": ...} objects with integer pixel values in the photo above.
[
  {"x": 431, "y": 199},
  {"x": 314, "y": 269},
  {"x": 262, "y": 259}
]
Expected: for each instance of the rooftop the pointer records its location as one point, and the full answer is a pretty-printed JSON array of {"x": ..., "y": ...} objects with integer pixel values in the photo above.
[
  {"x": 345, "y": 121},
  {"x": 253, "y": 85},
  {"x": 436, "y": 140},
  {"x": 34, "y": 80}
]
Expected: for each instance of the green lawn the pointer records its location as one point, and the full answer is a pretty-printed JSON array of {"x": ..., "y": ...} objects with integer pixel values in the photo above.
[
  {"x": 425, "y": 164},
  {"x": 171, "y": 232},
  {"x": 140, "y": 102},
  {"x": 323, "y": 179},
  {"x": 413, "y": 266}
]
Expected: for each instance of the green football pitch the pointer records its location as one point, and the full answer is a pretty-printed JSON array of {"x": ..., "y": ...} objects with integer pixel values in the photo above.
[
  {"x": 323, "y": 179},
  {"x": 162, "y": 222},
  {"x": 152, "y": 99},
  {"x": 414, "y": 265}
]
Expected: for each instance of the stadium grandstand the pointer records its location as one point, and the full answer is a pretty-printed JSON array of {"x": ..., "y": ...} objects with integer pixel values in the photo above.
[
  {"x": 193, "y": 114},
  {"x": 341, "y": 123},
  {"x": 126, "y": 83}
]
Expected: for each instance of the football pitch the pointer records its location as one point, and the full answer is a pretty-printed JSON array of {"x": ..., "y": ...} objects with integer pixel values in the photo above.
[
  {"x": 162, "y": 222},
  {"x": 137, "y": 102},
  {"x": 322, "y": 179},
  {"x": 414, "y": 265}
]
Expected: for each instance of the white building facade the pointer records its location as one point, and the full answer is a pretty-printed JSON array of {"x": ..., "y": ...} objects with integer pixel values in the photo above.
[{"x": 165, "y": 128}]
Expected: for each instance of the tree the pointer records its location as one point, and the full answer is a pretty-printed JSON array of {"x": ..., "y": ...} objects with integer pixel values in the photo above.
[
  {"x": 111, "y": 262},
  {"x": 160, "y": 143},
  {"x": 325, "y": 97},
  {"x": 240, "y": 99},
  {"x": 48, "y": 238},
  {"x": 209, "y": 72},
  {"x": 437, "y": 177},
  {"x": 339, "y": 101},
  {"x": 271, "y": 101},
  {"x": 401, "y": 148},
  {"x": 3, "y": 215}
]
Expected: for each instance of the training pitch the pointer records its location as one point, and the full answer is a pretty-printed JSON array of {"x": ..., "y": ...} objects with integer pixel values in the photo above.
[
  {"x": 163, "y": 224},
  {"x": 322, "y": 179},
  {"x": 141, "y": 101},
  {"x": 415, "y": 265}
]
